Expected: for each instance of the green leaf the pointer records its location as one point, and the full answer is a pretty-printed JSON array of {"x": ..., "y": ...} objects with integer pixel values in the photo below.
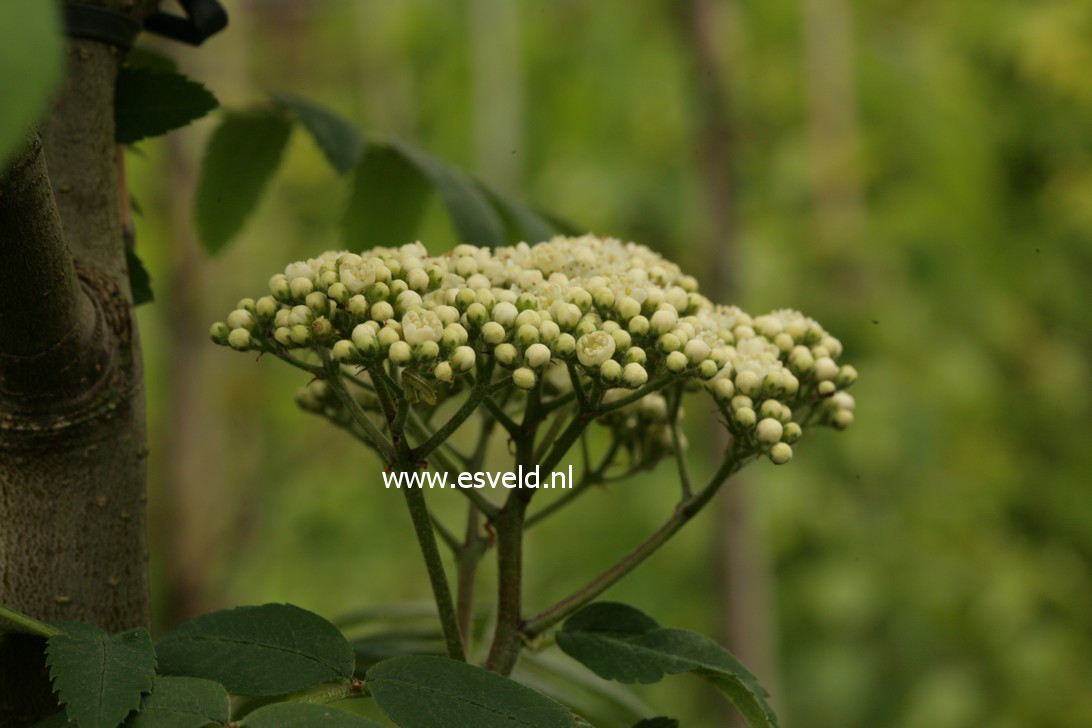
[
  {"x": 273, "y": 649},
  {"x": 150, "y": 59},
  {"x": 149, "y": 103},
  {"x": 421, "y": 691},
  {"x": 182, "y": 702},
  {"x": 140, "y": 283},
  {"x": 99, "y": 678},
  {"x": 660, "y": 722},
  {"x": 304, "y": 715},
  {"x": 30, "y": 66},
  {"x": 241, "y": 157},
  {"x": 521, "y": 222},
  {"x": 386, "y": 201},
  {"x": 339, "y": 139},
  {"x": 618, "y": 642},
  {"x": 474, "y": 219}
]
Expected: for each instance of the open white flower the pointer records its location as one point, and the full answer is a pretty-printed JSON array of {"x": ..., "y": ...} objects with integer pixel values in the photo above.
[
  {"x": 595, "y": 348},
  {"x": 419, "y": 327}
]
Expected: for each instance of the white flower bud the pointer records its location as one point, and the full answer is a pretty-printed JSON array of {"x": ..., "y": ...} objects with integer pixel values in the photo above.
[
  {"x": 357, "y": 306},
  {"x": 537, "y": 356},
  {"x": 492, "y": 332},
  {"x": 454, "y": 335},
  {"x": 317, "y": 302},
  {"x": 387, "y": 336},
  {"x": 219, "y": 332},
  {"x": 283, "y": 336},
  {"x": 417, "y": 279},
  {"x": 443, "y": 370},
  {"x": 595, "y": 348},
  {"x": 843, "y": 400},
  {"x": 638, "y": 326},
  {"x": 745, "y": 417},
  {"x": 567, "y": 315},
  {"x": 841, "y": 419},
  {"x": 266, "y": 308},
  {"x": 463, "y": 358},
  {"x": 400, "y": 353},
  {"x": 300, "y": 287},
  {"x": 338, "y": 292},
  {"x": 565, "y": 345},
  {"x": 506, "y": 354},
  {"x": 825, "y": 369},
  {"x": 603, "y": 297},
  {"x": 668, "y": 343},
  {"x": 826, "y": 388},
  {"x": 301, "y": 335},
  {"x": 527, "y": 335},
  {"x": 548, "y": 331},
  {"x": 781, "y": 453},
  {"x": 748, "y": 382},
  {"x": 696, "y": 351},
  {"x": 792, "y": 432},
  {"x": 580, "y": 298},
  {"x": 505, "y": 314},
  {"x": 283, "y": 317},
  {"x": 464, "y": 298},
  {"x": 676, "y": 361},
  {"x": 240, "y": 318},
  {"x": 627, "y": 308},
  {"x": 523, "y": 378},
  {"x": 239, "y": 339},
  {"x": 771, "y": 408},
  {"x": 418, "y": 327},
  {"x": 382, "y": 311},
  {"x": 426, "y": 351},
  {"x": 622, "y": 339},
  {"x": 723, "y": 389},
  {"x": 610, "y": 370},
  {"x": 768, "y": 431},
  {"x": 740, "y": 401},
  {"x": 344, "y": 352},
  {"x": 847, "y": 375},
  {"x": 635, "y": 355},
  {"x": 663, "y": 320},
  {"x": 634, "y": 375},
  {"x": 477, "y": 315},
  {"x": 708, "y": 369}
]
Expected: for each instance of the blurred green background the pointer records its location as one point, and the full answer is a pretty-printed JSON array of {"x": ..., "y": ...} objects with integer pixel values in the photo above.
[{"x": 915, "y": 175}]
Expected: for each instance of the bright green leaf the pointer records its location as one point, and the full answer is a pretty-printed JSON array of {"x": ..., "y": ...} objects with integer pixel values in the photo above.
[
  {"x": 148, "y": 103},
  {"x": 339, "y": 139},
  {"x": 182, "y": 702},
  {"x": 140, "y": 283},
  {"x": 618, "y": 642},
  {"x": 304, "y": 715},
  {"x": 30, "y": 65},
  {"x": 273, "y": 649},
  {"x": 421, "y": 691},
  {"x": 100, "y": 678},
  {"x": 386, "y": 201},
  {"x": 471, "y": 214},
  {"x": 240, "y": 159}
]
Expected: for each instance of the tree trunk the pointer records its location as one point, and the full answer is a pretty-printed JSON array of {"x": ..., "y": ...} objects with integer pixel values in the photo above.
[{"x": 72, "y": 435}]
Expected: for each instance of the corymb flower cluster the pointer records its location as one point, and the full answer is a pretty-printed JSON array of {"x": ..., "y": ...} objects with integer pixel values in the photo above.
[{"x": 609, "y": 317}]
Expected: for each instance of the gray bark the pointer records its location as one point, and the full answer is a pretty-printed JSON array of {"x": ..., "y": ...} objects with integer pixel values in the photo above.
[{"x": 72, "y": 433}]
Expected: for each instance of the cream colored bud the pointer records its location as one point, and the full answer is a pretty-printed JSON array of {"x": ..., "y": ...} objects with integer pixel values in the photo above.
[
  {"x": 523, "y": 378},
  {"x": 283, "y": 336},
  {"x": 357, "y": 306},
  {"x": 344, "y": 352},
  {"x": 382, "y": 311},
  {"x": 417, "y": 279},
  {"x": 444, "y": 372},
  {"x": 338, "y": 292},
  {"x": 463, "y": 358},
  {"x": 387, "y": 336},
  {"x": 825, "y": 369},
  {"x": 663, "y": 321},
  {"x": 537, "y": 356},
  {"x": 627, "y": 308},
  {"x": 464, "y": 298},
  {"x": 634, "y": 375},
  {"x": 696, "y": 351},
  {"x": 708, "y": 369},
  {"x": 847, "y": 375},
  {"x": 400, "y": 353},
  {"x": 635, "y": 355},
  {"x": 527, "y": 335},
  {"x": 668, "y": 343},
  {"x": 240, "y": 318},
  {"x": 492, "y": 333},
  {"x": 768, "y": 431},
  {"x": 610, "y": 370},
  {"x": 825, "y": 389},
  {"x": 741, "y": 400},
  {"x": 604, "y": 297},
  {"x": 565, "y": 345},
  {"x": 505, "y": 314},
  {"x": 317, "y": 302},
  {"x": 219, "y": 332},
  {"x": 723, "y": 389},
  {"x": 771, "y": 408},
  {"x": 781, "y": 453},
  {"x": 745, "y": 417},
  {"x": 676, "y": 361},
  {"x": 506, "y": 354},
  {"x": 301, "y": 335},
  {"x": 792, "y": 432},
  {"x": 266, "y": 308},
  {"x": 426, "y": 351},
  {"x": 841, "y": 419},
  {"x": 477, "y": 315},
  {"x": 843, "y": 400},
  {"x": 595, "y": 348},
  {"x": 279, "y": 287},
  {"x": 548, "y": 331},
  {"x": 300, "y": 287},
  {"x": 748, "y": 382},
  {"x": 638, "y": 326}
]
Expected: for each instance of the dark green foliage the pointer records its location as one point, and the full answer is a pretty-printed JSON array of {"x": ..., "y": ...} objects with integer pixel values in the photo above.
[
  {"x": 339, "y": 139},
  {"x": 273, "y": 649},
  {"x": 240, "y": 159},
  {"x": 420, "y": 691},
  {"x": 300, "y": 715},
  {"x": 148, "y": 103},
  {"x": 618, "y": 642},
  {"x": 99, "y": 678},
  {"x": 386, "y": 201},
  {"x": 140, "y": 283},
  {"x": 182, "y": 702}
]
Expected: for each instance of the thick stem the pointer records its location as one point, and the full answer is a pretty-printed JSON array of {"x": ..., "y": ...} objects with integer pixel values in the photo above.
[
  {"x": 506, "y": 637},
  {"x": 468, "y": 556}
]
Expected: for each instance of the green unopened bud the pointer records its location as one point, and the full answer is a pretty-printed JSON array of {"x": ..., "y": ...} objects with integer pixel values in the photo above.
[
  {"x": 847, "y": 375},
  {"x": 526, "y": 301},
  {"x": 723, "y": 389},
  {"x": 418, "y": 280},
  {"x": 463, "y": 358},
  {"x": 622, "y": 339},
  {"x": 322, "y": 329},
  {"x": 506, "y": 354},
  {"x": 523, "y": 378},
  {"x": 627, "y": 308},
  {"x": 826, "y": 388},
  {"x": 548, "y": 331},
  {"x": 266, "y": 308},
  {"x": 247, "y": 304},
  {"x": 708, "y": 369},
  {"x": 318, "y": 303},
  {"x": 537, "y": 356},
  {"x": 781, "y": 453},
  {"x": 278, "y": 286},
  {"x": 841, "y": 419},
  {"x": 378, "y": 291},
  {"x": 239, "y": 339},
  {"x": 676, "y": 361},
  {"x": 387, "y": 336},
  {"x": 339, "y": 293},
  {"x": 477, "y": 315},
  {"x": 219, "y": 332},
  {"x": 464, "y": 298},
  {"x": 748, "y": 382},
  {"x": 240, "y": 318},
  {"x": 357, "y": 306},
  {"x": 382, "y": 311},
  {"x": 771, "y": 408},
  {"x": 526, "y": 335},
  {"x": 565, "y": 345},
  {"x": 301, "y": 335},
  {"x": 581, "y": 299},
  {"x": 638, "y": 326},
  {"x": 635, "y": 355},
  {"x": 283, "y": 336},
  {"x": 668, "y": 343},
  {"x": 603, "y": 297}
]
